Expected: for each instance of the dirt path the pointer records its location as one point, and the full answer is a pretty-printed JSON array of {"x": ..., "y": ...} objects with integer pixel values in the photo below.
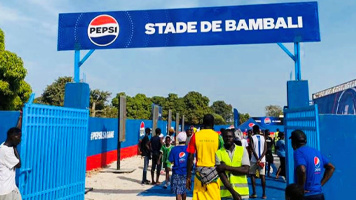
[{"x": 110, "y": 186}]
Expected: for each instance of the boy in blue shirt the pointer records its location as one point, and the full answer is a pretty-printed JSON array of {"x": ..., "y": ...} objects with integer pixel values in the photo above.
[
  {"x": 308, "y": 164},
  {"x": 179, "y": 158}
]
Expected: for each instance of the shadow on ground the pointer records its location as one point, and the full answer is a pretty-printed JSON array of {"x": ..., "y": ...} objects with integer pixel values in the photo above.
[{"x": 274, "y": 190}]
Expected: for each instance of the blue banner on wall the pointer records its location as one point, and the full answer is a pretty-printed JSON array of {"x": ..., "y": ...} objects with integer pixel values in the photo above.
[
  {"x": 266, "y": 121},
  {"x": 251, "y": 24}
]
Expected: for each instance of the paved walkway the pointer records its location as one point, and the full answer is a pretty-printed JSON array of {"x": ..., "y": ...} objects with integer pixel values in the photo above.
[{"x": 110, "y": 186}]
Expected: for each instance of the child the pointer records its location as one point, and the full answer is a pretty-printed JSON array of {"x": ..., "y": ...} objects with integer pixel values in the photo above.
[
  {"x": 179, "y": 158},
  {"x": 166, "y": 149}
]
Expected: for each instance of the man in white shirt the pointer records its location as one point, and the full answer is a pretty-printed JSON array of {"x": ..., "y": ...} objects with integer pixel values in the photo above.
[
  {"x": 9, "y": 161},
  {"x": 258, "y": 160}
]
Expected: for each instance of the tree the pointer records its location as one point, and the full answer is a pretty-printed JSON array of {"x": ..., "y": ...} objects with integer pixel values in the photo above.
[
  {"x": 110, "y": 112},
  {"x": 54, "y": 93},
  {"x": 218, "y": 119},
  {"x": 244, "y": 117},
  {"x": 137, "y": 107},
  {"x": 196, "y": 106},
  {"x": 223, "y": 109},
  {"x": 14, "y": 91},
  {"x": 98, "y": 101},
  {"x": 273, "y": 111}
]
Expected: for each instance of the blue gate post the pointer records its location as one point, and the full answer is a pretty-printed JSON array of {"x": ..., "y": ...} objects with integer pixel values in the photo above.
[{"x": 307, "y": 120}]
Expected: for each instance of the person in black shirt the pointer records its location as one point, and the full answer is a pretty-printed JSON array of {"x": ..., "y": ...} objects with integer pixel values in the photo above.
[
  {"x": 146, "y": 154},
  {"x": 155, "y": 144},
  {"x": 269, "y": 154}
]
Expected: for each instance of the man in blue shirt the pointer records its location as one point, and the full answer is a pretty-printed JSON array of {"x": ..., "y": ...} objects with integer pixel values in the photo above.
[{"x": 308, "y": 164}]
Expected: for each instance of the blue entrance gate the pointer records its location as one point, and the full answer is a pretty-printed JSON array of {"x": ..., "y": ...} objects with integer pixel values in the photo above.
[
  {"x": 53, "y": 152},
  {"x": 307, "y": 120}
]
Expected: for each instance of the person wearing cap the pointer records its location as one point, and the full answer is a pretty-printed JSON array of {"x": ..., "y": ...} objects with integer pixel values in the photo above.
[
  {"x": 308, "y": 164},
  {"x": 179, "y": 158}
]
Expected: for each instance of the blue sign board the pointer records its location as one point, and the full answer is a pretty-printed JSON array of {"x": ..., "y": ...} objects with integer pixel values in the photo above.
[
  {"x": 251, "y": 24},
  {"x": 266, "y": 121}
]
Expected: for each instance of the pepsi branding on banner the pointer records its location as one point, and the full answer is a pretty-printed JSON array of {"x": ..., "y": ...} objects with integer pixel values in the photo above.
[
  {"x": 103, "y": 30},
  {"x": 249, "y": 24}
]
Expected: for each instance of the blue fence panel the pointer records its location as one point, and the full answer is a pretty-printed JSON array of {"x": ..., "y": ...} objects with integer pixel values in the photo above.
[
  {"x": 8, "y": 120},
  {"x": 53, "y": 152},
  {"x": 307, "y": 120}
]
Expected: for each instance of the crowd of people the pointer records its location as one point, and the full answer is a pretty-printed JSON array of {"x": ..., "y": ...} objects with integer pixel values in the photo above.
[{"x": 221, "y": 163}]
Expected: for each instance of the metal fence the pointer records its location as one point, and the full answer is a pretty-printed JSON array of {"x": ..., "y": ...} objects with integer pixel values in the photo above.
[
  {"x": 307, "y": 120},
  {"x": 53, "y": 152}
]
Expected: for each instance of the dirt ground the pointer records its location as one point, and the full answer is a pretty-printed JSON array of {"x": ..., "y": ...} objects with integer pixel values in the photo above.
[{"x": 111, "y": 186}]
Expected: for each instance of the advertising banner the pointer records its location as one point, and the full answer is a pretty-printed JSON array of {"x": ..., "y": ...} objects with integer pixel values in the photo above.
[
  {"x": 248, "y": 24},
  {"x": 266, "y": 121},
  {"x": 339, "y": 100}
]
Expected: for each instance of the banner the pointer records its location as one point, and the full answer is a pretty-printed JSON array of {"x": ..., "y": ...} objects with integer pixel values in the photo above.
[
  {"x": 251, "y": 24},
  {"x": 266, "y": 121}
]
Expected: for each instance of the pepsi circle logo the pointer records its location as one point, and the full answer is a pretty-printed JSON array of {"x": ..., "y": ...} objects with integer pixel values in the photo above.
[
  {"x": 267, "y": 121},
  {"x": 251, "y": 125},
  {"x": 103, "y": 30},
  {"x": 316, "y": 162},
  {"x": 181, "y": 154}
]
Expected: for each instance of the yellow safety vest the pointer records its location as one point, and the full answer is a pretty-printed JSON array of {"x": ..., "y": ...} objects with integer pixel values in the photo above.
[{"x": 239, "y": 183}]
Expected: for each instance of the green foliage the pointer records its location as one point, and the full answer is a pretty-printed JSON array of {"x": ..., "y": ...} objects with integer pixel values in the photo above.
[
  {"x": 223, "y": 109},
  {"x": 137, "y": 107},
  {"x": 98, "y": 101},
  {"x": 14, "y": 91},
  {"x": 2, "y": 40},
  {"x": 54, "y": 93},
  {"x": 218, "y": 119},
  {"x": 273, "y": 111},
  {"x": 244, "y": 117},
  {"x": 196, "y": 106}
]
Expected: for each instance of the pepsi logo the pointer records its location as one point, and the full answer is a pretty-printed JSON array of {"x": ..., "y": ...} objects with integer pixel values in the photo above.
[
  {"x": 181, "y": 154},
  {"x": 267, "y": 121},
  {"x": 316, "y": 162},
  {"x": 142, "y": 126},
  {"x": 251, "y": 125},
  {"x": 103, "y": 30}
]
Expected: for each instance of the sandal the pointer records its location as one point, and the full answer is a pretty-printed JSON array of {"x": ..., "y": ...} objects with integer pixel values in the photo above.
[
  {"x": 254, "y": 196},
  {"x": 264, "y": 197}
]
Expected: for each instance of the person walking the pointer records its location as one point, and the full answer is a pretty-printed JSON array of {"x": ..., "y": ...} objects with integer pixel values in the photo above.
[
  {"x": 146, "y": 154},
  {"x": 281, "y": 152},
  {"x": 233, "y": 164},
  {"x": 179, "y": 158},
  {"x": 189, "y": 135},
  {"x": 258, "y": 160},
  {"x": 165, "y": 150},
  {"x": 204, "y": 143},
  {"x": 269, "y": 154},
  {"x": 308, "y": 164},
  {"x": 156, "y": 145},
  {"x": 9, "y": 161}
]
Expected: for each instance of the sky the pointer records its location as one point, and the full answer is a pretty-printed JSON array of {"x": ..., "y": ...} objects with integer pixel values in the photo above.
[{"x": 249, "y": 77}]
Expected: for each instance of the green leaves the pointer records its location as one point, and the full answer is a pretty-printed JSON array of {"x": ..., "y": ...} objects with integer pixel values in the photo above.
[
  {"x": 54, "y": 93},
  {"x": 273, "y": 111},
  {"x": 14, "y": 91}
]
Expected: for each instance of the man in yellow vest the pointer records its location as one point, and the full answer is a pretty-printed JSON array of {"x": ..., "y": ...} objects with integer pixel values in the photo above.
[{"x": 233, "y": 165}]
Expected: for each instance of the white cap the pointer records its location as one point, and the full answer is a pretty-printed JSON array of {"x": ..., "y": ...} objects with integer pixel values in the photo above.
[
  {"x": 182, "y": 137},
  {"x": 161, "y": 135}
]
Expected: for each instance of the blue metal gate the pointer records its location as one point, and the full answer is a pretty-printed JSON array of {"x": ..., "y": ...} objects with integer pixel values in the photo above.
[
  {"x": 307, "y": 120},
  {"x": 53, "y": 152}
]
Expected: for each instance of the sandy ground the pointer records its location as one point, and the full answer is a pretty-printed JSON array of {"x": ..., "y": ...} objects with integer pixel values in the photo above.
[{"x": 111, "y": 186}]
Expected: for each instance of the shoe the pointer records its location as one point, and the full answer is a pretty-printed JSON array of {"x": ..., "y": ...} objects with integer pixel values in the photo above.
[{"x": 284, "y": 179}]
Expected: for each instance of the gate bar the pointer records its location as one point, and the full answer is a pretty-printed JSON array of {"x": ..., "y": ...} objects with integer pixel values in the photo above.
[
  {"x": 78, "y": 63},
  {"x": 295, "y": 58}
]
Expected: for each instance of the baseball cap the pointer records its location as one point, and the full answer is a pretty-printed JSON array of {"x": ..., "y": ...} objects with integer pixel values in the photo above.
[
  {"x": 182, "y": 137},
  {"x": 171, "y": 130},
  {"x": 298, "y": 136}
]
